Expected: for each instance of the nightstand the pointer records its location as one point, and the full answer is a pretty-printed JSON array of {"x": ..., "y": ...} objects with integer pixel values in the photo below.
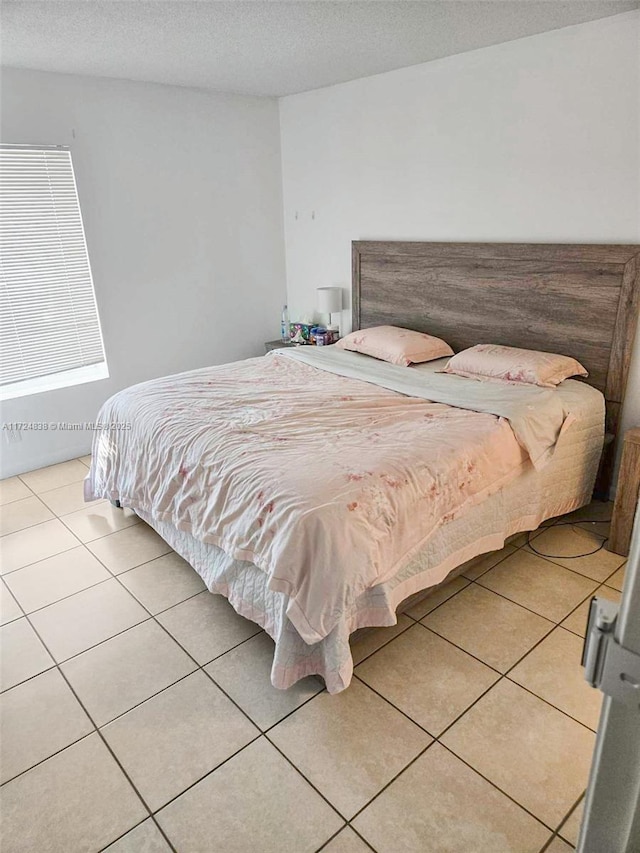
[
  {"x": 269, "y": 345},
  {"x": 627, "y": 492}
]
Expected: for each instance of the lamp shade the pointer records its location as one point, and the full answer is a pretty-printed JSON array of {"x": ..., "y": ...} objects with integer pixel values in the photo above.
[{"x": 329, "y": 300}]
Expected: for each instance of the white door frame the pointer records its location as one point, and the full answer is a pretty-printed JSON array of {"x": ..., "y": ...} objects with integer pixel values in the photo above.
[{"x": 611, "y": 820}]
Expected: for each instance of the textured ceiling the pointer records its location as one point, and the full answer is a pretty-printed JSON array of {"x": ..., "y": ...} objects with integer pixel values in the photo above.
[{"x": 267, "y": 48}]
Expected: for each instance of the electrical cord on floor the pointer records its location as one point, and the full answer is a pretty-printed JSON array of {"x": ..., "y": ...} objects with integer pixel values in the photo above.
[{"x": 572, "y": 523}]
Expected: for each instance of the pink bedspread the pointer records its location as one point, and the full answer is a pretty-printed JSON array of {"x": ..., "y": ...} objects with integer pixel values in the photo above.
[{"x": 328, "y": 484}]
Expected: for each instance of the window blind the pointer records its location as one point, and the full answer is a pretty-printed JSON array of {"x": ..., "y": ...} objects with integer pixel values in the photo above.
[{"x": 48, "y": 315}]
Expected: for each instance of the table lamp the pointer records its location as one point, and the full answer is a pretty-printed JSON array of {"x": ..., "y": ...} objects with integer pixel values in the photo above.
[{"x": 329, "y": 301}]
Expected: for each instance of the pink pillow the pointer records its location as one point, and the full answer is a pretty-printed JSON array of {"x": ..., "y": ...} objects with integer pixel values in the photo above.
[
  {"x": 511, "y": 364},
  {"x": 399, "y": 346}
]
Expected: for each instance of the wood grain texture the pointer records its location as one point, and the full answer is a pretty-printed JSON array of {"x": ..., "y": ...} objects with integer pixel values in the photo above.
[
  {"x": 591, "y": 253},
  {"x": 626, "y": 322},
  {"x": 627, "y": 492},
  {"x": 608, "y": 459},
  {"x": 579, "y": 300}
]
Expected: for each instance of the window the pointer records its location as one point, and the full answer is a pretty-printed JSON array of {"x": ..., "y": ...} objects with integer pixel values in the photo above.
[{"x": 50, "y": 333}]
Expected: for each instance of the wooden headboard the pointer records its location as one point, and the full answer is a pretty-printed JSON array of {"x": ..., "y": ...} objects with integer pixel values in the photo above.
[{"x": 579, "y": 300}]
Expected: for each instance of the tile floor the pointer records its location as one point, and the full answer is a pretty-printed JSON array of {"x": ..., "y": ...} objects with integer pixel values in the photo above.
[{"x": 137, "y": 714}]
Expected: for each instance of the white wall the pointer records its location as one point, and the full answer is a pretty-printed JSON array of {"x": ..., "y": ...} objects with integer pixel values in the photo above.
[
  {"x": 536, "y": 140},
  {"x": 181, "y": 198},
  {"x": 533, "y": 140}
]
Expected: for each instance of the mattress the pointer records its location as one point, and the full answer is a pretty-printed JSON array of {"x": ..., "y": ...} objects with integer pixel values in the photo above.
[{"x": 564, "y": 484}]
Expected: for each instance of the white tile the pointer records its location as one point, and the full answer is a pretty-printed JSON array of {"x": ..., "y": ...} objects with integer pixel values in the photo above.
[
  {"x": 98, "y": 520},
  {"x": 534, "y": 753},
  {"x": 207, "y": 626},
  {"x": 129, "y": 548},
  {"x": 74, "y": 624},
  {"x": 371, "y": 639},
  {"x": 488, "y": 626},
  {"x": 472, "y": 569},
  {"x": 563, "y": 544},
  {"x": 175, "y": 738},
  {"x": 346, "y": 841},
  {"x": 570, "y": 829},
  {"x": 255, "y": 802},
  {"x": 33, "y": 544},
  {"x": 78, "y": 800},
  {"x": 22, "y": 655},
  {"x": 347, "y": 759},
  {"x": 601, "y": 528},
  {"x": 439, "y": 804},
  {"x": 538, "y": 584},
  {"x": 86, "y": 460},
  {"x": 145, "y": 838},
  {"x": 66, "y": 499},
  {"x": 54, "y": 476},
  {"x": 558, "y": 846},
  {"x": 436, "y": 597},
  {"x": 596, "y": 511},
  {"x": 47, "y": 581},
  {"x": 21, "y": 514},
  {"x": 45, "y": 479},
  {"x": 426, "y": 677},
  {"x": 37, "y": 718},
  {"x": 617, "y": 580},
  {"x": 519, "y": 540},
  {"x": 13, "y": 489},
  {"x": 244, "y": 674},
  {"x": 553, "y": 671},
  {"x": 576, "y": 622},
  {"x": 9, "y": 608},
  {"x": 163, "y": 582},
  {"x": 124, "y": 671}
]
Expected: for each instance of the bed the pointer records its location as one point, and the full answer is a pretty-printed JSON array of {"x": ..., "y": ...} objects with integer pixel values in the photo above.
[{"x": 307, "y": 486}]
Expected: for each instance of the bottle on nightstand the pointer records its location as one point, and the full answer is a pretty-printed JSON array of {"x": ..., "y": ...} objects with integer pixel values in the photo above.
[{"x": 284, "y": 325}]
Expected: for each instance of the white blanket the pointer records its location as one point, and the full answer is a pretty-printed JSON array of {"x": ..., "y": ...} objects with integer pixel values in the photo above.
[{"x": 325, "y": 469}]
